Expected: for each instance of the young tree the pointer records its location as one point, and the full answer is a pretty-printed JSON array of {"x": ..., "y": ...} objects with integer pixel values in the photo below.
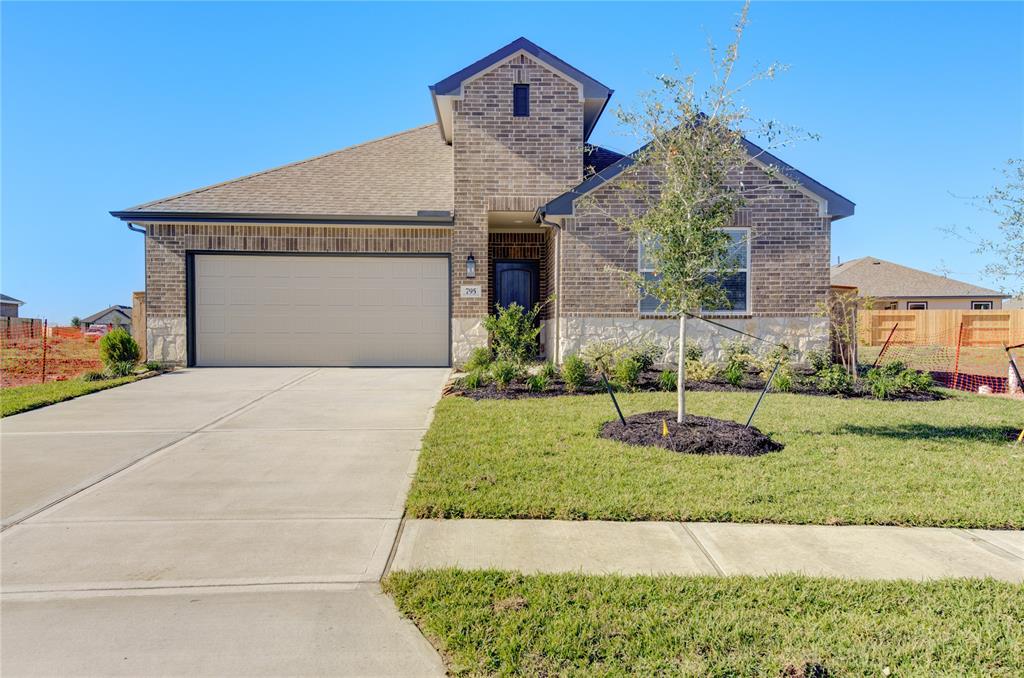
[
  {"x": 76, "y": 321},
  {"x": 686, "y": 184}
]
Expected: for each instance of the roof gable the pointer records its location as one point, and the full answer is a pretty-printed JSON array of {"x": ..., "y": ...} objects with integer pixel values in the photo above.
[
  {"x": 834, "y": 205},
  {"x": 593, "y": 93},
  {"x": 874, "y": 277},
  {"x": 126, "y": 311},
  {"x": 11, "y": 300},
  {"x": 405, "y": 175}
]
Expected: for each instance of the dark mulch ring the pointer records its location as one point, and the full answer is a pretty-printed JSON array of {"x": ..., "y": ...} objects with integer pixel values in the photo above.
[
  {"x": 649, "y": 382},
  {"x": 696, "y": 435}
]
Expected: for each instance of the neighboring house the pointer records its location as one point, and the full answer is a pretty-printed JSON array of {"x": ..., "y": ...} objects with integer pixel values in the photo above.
[
  {"x": 116, "y": 315},
  {"x": 895, "y": 287},
  {"x": 393, "y": 251},
  {"x": 1014, "y": 303},
  {"x": 9, "y": 306}
]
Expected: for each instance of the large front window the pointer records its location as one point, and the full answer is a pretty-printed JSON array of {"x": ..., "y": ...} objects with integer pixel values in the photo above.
[{"x": 736, "y": 286}]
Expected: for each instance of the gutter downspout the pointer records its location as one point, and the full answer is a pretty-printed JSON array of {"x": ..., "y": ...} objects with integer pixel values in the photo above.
[
  {"x": 133, "y": 227},
  {"x": 539, "y": 217}
]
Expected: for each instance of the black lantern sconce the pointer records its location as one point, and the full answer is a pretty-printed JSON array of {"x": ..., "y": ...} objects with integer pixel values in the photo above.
[{"x": 470, "y": 266}]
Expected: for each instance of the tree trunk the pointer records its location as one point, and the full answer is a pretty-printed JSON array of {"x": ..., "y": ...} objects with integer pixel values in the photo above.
[{"x": 681, "y": 364}]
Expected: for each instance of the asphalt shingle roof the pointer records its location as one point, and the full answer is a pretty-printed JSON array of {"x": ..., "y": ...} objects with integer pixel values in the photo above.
[
  {"x": 10, "y": 300},
  {"x": 596, "y": 158},
  {"x": 398, "y": 175},
  {"x": 875, "y": 277},
  {"x": 127, "y": 310}
]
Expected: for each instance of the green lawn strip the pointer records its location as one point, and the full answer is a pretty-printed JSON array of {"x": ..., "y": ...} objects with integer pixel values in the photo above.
[
  {"x": 855, "y": 461},
  {"x": 23, "y": 398},
  {"x": 493, "y": 623}
]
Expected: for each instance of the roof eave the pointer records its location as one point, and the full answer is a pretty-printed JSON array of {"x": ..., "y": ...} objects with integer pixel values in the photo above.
[{"x": 422, "y": 218}]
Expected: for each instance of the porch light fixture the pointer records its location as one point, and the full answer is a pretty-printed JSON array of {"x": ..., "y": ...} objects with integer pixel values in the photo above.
[{"x": 470, "y": 266}]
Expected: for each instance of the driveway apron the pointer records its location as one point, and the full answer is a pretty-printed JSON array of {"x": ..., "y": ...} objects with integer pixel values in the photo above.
[{"x": 213, "y": 522}]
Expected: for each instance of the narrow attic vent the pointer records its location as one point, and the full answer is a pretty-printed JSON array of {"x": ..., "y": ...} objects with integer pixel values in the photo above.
[{"x": 521, "y": 101}]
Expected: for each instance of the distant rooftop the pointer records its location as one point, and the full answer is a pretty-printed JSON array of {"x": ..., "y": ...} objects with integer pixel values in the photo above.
[{"x": 875, "y": 277}]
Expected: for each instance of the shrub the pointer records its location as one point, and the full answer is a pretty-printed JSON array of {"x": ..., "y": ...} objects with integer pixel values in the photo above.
[
  {"x": 121, "y": 368},
  {"x": 738, "y": 359},
  {"x": 693, "y": 352},
  {"x": 514, "y": 332},
  {"x": 784, "y": 377},
  {"x": 668, "y": 380},
  {"x": 734, "y": 372},
  {"x": 835, "y": 379},
  {"x": 93, "y": 376},
  {"x": 549, "y": 370},
  {"x": 537, "y": 382},
  {"x": 894, "y": 378},
  {"x": 574, "y": 373},
  {"x": 698, "y": 370},
  {"x": 819, "y": 359},
  {"x": 504, "y": 372},
  {"x": 647, "y": 353},
  {"x": 474, "y": 379},
  {"x": 627, "y": 373},
  {"x": 603, "y": 355},
  {"x": 153, "y": 366},
  {"x": 479, "y": 359},
  {"x": 117, "y": 346}
]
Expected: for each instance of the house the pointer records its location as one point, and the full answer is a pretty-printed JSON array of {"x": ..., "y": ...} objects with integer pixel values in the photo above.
[
  {"x": 9, "y": 306},
  {"x": 393, "y": 251},
  {"x": 116, "y": 315},
  {"x": 895, "y": 287}
]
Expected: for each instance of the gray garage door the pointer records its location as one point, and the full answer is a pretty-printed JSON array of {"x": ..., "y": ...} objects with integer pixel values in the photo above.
[{"x": 337, "y": 311}]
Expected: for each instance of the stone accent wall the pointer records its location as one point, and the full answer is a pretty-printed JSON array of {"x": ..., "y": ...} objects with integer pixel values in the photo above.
[
  {"x": 501, "y": 161},
  {"x": 802, "y": 334},
  {"x": 166, "y": 245},
  {"x": 789, "y": 253}
]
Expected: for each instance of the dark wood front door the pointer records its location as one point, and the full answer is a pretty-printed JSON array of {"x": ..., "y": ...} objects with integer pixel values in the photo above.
[{"x": 516, "y": 281}]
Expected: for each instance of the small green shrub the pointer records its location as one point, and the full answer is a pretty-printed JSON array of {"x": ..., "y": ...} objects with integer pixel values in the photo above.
[
  {"x": 474, "y": 379},
  {"x": 153, "y": 366},
  {"x": 603, "y": 356},
  {"x": 627, "y": 373},
  {"x": 514, "y": 332},
  {"x": 819, "y": 359},
  {"x": 698, "y": 370},
  {"x": 537, "y": 382},
  {"x": 894, "y": 378},
  {"x": 784, "y": 379},
  {"x": 694, "y": 352},
  {"x": 668, "y": 380},
  {"x": 734, "y": 372},
  {"x": 647, "y": 353},
  {"x": 93, "y": 376},
  {"x": 479, "y": 359},
  {"x": 117, "y": 346},
  {"x": 834, "y": 379},
  {"x": 784, "y": 376},
  {"x": 121, "y": 368},
  {"x": 575, "y": 373},
  {"x": 549, "y": 370},
  {"x": 504, "y": 372}
]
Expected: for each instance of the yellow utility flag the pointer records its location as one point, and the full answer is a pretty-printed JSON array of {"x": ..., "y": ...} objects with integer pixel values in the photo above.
[{"x": 664, "y": 428}]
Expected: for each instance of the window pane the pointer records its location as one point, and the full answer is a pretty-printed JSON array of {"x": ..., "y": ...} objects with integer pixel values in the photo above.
[
  {"x": 646, "y": 261},
  {"x": 650, "y": 304},
  {"x": 735, "y": 287},
  {"x": 738, "y": 250},
  {"x": 521, "y": 100}
]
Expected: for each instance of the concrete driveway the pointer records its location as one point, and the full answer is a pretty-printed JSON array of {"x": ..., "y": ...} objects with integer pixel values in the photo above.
[{"x": 213, "y": 522}]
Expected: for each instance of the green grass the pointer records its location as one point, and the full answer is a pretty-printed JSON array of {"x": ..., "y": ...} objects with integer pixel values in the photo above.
[
  {"x": 855, "y": 461},
  {"x": 23, "y": 398},
  {"x": 487, "y": 623}
]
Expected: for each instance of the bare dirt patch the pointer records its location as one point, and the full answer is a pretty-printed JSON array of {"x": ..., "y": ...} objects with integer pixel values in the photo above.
[{"x": 696, "y": 435}]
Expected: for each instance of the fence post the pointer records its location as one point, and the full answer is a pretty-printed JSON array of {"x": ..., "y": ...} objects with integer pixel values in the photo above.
[
  {"x": 956, "y": 363},
  {"x": 42, "y": 380}
]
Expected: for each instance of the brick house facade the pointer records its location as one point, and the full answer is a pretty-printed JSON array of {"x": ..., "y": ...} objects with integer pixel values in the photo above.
[{"x": 496, "y": 180}]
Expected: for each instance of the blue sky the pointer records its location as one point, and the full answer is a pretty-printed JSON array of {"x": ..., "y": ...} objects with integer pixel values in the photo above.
[{"x": 108, "y": 105}]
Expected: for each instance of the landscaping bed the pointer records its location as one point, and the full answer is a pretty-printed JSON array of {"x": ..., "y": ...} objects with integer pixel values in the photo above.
[
  {"x": 948, "y": 463},
  {"x": 501, "y": 623},
  {"x": 696, "y": 435}
]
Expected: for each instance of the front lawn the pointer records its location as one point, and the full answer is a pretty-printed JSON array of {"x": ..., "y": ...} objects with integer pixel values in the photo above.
[
  {"x": 856, "y": 461},
  {"x": 487, "y": 623},
  {"x": 22, "y": 398}
]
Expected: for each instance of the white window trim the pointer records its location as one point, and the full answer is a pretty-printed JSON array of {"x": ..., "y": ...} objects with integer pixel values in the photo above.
[
  {"x": 924, "y": 303},
  {"x": 727, "y": 311},
  {"x": 988, "y": 305}
]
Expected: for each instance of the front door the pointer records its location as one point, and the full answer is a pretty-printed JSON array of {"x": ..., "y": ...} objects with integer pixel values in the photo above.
[{"x": 516, "y": 281}]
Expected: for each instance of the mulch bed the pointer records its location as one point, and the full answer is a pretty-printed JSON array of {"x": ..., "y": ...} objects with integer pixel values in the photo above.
[
  {"x": 696, "y": 435},
  {"x": 649, "y": 382}
]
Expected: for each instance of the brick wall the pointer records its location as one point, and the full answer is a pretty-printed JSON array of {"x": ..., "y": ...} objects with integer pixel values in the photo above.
[
  {"x": 527, "y": 246},
  {"x": 166, "y": 245},
  {"x": 498, "y": 156},
  {"x": 789, "y": 253}
]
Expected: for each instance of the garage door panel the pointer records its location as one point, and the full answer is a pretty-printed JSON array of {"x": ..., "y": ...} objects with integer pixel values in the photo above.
[{"x": 296, "y": 310}]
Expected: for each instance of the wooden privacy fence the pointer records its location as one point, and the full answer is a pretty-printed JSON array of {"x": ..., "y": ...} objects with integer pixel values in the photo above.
[{"x": 941, "y": 327}]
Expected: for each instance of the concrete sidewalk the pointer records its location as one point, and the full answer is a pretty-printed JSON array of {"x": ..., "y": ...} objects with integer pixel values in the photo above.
[{"x": 599, "y": 547}]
